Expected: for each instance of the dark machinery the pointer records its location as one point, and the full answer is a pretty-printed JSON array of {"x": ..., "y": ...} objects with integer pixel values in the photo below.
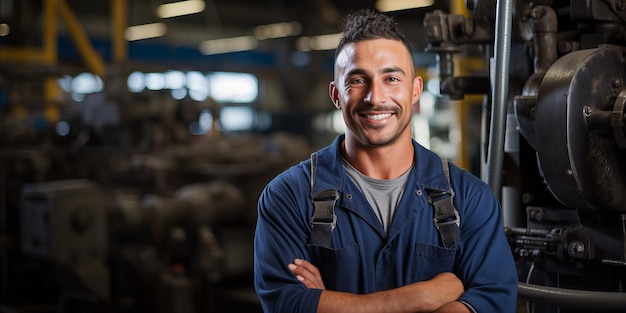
[
  {"x": 153, "y": 252},
  {"x": 127, "y": 211},
  {"x": 557, "y": 128}
]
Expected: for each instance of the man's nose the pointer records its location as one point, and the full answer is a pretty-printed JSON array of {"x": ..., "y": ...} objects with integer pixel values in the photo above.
[{"x": 376, "y": 93}]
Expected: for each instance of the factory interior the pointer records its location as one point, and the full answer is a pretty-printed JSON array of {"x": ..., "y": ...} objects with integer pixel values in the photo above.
[{"x": 173, "y": 116}]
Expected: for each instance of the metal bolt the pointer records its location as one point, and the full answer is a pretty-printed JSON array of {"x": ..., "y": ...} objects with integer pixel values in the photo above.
[
  {"x": 537, "y": 215},
  {"x": 527, "y": 197},
  {"x": 576, "y": 248}
]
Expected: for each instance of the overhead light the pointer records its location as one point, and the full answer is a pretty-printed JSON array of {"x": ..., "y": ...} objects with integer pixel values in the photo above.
[
  {"x": 398, "y": 5},
  {"x": 180, "y": 8},
  {"x": 226, "y": 45},
  {"x": 321, "y": 42},
  {"x": 145, "y": 31},
  {"x": 277, "y": 30},
  {"x": 4, "y": 29}
]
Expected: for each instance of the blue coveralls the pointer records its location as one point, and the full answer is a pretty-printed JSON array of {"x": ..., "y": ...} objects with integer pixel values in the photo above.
[{"x": 364, "y": 258}]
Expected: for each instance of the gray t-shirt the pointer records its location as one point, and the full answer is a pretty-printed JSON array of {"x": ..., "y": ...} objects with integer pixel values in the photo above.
[{"x": 382, "y": 194}]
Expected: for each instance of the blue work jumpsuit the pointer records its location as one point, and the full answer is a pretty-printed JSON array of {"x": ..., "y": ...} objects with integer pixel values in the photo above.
[{"x": 363, "y": 258}]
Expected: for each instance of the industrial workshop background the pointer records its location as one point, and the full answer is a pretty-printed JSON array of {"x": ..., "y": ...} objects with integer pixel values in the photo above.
[{"x": 136, "y": 136}]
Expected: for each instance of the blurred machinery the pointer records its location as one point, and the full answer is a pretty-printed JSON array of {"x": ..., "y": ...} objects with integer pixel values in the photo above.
[
  {"x": 563, "y": 146},
  {"x": 111, "y": 204},
  {"x": 128, "y": 211}
]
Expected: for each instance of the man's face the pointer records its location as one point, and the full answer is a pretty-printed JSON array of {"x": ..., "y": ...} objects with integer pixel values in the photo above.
[{"x": 375, "y": 88}]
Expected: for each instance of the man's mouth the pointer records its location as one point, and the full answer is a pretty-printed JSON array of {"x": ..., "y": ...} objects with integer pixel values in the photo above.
[{"x": 377, "y": 117}]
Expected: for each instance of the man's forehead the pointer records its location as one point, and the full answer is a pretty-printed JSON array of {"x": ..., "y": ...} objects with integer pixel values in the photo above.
[{"x": 352, "y": 52}]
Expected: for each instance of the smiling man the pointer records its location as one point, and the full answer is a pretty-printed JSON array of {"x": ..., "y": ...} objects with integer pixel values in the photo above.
[{"x": 375, "y": 222}]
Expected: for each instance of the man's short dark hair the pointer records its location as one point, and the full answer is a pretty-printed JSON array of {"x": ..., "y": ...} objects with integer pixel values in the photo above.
[{"x": 366, "y": 24}]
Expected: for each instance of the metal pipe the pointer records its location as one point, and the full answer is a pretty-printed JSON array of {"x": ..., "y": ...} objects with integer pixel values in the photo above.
[
  {"x": 580, "y": 299},
  {"x": 500, "y": 93}
]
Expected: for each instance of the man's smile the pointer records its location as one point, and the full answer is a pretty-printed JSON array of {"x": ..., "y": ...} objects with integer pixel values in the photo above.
[{"x": 377, "y": 117}]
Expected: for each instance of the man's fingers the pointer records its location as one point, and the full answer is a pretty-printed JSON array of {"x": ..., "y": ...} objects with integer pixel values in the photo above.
[
  {"x": 308, "y": 266},
  {"x": 307, "y": 273}
]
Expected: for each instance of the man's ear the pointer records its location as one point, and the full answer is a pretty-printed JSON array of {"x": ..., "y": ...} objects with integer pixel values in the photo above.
[
  {"x": 418, "y": 85},
  {"x": 334, "y": 94}
]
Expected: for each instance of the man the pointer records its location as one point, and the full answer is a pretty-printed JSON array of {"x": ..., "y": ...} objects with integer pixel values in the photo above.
[{"x": 383, "y": 252}]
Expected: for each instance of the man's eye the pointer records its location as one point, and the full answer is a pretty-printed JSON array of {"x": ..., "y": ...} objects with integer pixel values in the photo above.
[{"x": 356, "y": 81}]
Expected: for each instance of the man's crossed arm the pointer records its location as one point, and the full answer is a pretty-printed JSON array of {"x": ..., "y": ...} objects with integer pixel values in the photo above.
[{"x": 436, "y": 295}]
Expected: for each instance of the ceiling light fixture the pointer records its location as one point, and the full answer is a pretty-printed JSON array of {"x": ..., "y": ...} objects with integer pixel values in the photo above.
[
  {"x": 187, "y": 7},
  {"x": 145, "y": 31},
  {"x": 398, "y": 5},
  {"x": 226, "y": 45},
  {"x": 321, "y": 42},
  {"x": 277, "y": 30}
]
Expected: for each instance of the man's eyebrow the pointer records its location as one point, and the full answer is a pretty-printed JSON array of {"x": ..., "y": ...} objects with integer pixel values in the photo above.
[
  {"x": 356, "y": 71},
  {"x": 393, "y": 69}
]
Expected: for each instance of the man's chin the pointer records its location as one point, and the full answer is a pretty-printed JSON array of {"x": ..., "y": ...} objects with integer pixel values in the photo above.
[{"x": 381, "y": 141}]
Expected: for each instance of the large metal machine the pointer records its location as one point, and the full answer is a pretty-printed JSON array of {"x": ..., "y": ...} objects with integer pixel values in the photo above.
[{"x": 554, "y": 138}]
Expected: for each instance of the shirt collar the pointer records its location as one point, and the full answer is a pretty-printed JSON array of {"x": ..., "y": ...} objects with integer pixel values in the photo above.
[{"x": 428, "y": 170}]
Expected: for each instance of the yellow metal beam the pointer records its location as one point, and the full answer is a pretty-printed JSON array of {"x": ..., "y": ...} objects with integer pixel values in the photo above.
[
  {"x": 15, "y": 54},
  {"x": 461, "y": 108},
  {"x": 94, "y": 61},
  {"x": 50, "y": 31},
  {"x": 119, "y": 9},
  {"x": 51, "y": 90},
  {"x": 52, "y": 98},
  {"x": 48, "y": 53}
]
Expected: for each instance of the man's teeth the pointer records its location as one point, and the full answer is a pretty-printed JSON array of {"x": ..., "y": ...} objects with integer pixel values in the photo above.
[{"x": 378, "y": 116}]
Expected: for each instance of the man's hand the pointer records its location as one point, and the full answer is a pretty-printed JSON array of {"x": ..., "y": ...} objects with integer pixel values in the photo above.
[{"x": 307, "y": 273}]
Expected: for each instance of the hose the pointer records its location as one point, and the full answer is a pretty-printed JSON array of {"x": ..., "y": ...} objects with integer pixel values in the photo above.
[{"x": 580, "y": 299}]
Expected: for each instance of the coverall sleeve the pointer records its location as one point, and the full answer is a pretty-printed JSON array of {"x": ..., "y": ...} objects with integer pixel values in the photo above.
[
  {"x": 281, "y": 235},
  {"x": 485, "y": 263}
]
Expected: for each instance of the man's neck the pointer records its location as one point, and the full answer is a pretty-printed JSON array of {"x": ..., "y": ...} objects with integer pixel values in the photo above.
[{"x": 386, "y": 162}]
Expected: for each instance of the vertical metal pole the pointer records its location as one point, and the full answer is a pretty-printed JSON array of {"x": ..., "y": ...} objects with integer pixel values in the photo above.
[
  {"x": 50, "y": 49},
  {"x": 500, "y": 91},
  {"x": 119, "y": 9}
]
